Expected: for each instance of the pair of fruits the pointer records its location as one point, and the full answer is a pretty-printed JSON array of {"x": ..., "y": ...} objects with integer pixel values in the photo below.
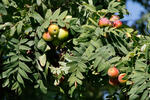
[
  {"x": 115, "y": 77},
  {"x": 55, "y": 32},
  {"x": 113, "y": 21}
]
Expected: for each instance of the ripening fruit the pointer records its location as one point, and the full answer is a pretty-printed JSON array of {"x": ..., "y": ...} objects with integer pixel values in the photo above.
[
  {"x": 117, "y": 24},
  {"x": 114, "y": 18},
  {"x": 53, "y": 30},
  {"x": 63, "y": 34},
  {"x": 47, "y": 37},
  {"x": 104, "y": 22},
  {"x": 120, "y": 78},
  {"x": 113, "y": 72},
  {"x": 113, "y": 81}
]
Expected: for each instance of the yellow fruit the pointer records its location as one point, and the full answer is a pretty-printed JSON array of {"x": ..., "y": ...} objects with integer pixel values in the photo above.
[{"x": 53, "y": 29}]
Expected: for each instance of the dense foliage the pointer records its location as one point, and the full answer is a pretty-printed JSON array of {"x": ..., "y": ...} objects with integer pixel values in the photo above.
[{"x": 75, "y": 67}]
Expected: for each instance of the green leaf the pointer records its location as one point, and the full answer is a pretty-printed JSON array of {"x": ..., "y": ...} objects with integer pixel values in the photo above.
[
  {"x": 56, "y": 14},
  {"x": 23, "y": 41},
  {"x": 39, "y": 2},
  {"x": 41, "y": 45},
  {"x": 30, "y": 43},
  {"x": 23, "y": 73},
  {"x": 19, "y": 27},
  {"x": 144, "y": 95},
  {"x": 14, "y": 40},
  {"x": 97, "y": 61},
  {"x": 63, "y": 15},
  {"x": 12, "y": 31},
  {"x": 15, "y": 86},
  {"x": 140, "y": 66},
  {"x": 23, "y": 47},
  {"x": 3, "y": 9},
  {"x": 6, "y": 73},
  {"x": 25, "y": 59},
  {"x": 115, "y": 4},
  {"x": 79, "y": 75},
  {"x": 114, "y": 59},
  {"x": 14, "y": 58},
  {"x": 42, "y": 87},
  {"x": 27, "y": 30},
  {"x": 48, "y": 14},
  {"x": 6, "y": 2},
  {"x": 6, "y": 83},
  {"x": 24, "y": 67},
  {"x": 39, "y": 66},
  {"x": 102, "y": 65},
  {"x": 46, "y": 24},
  {"x": 37, "y": 17},
  {"x": 72, "y": 90},
  {"x": 90, "y": 2},
  {"x": 42, "y": 60},
  {"x": 82, "y": 67},
  {"x": 19, "y": 78},
  {"x": 90, "y": 7},
  {"x": 61, "y": 23}
]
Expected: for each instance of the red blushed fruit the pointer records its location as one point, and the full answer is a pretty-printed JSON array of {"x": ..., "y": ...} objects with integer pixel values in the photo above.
[
  {"x": 46, "y": 36},
  {"x": 113, "y": 81},
  {"x": 117, "y": 24},
  {"x": 120, "y": 78},
  {"x": 113, "y": 72},
  {"x": 104, "y": 22},
  {"x": 114, "y": 18}
]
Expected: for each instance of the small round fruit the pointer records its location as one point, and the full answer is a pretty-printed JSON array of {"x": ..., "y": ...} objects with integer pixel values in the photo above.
[
  {"x": 63, "y": 34},
  {"x": 113, "y": 72},
  {"x": 53, "y": 29},
  {"x": 104, "y": 22},
  {"x": 117, "y": 24},
  {"x": 113, "y": 81},
  {"x": 47, "y": 37},
  {"x": 120, "y": 78},
  {"x": 114, "y": 18}
]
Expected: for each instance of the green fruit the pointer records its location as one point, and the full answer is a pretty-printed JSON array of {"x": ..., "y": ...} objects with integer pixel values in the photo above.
[{"x": 63, "y": 34}]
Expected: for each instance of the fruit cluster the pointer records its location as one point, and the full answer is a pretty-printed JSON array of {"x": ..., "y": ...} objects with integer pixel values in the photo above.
[
  {"x": 113, "y": 21},
  {"x": 55, "y": 33},
  {"x": 115, "y": 77}
]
